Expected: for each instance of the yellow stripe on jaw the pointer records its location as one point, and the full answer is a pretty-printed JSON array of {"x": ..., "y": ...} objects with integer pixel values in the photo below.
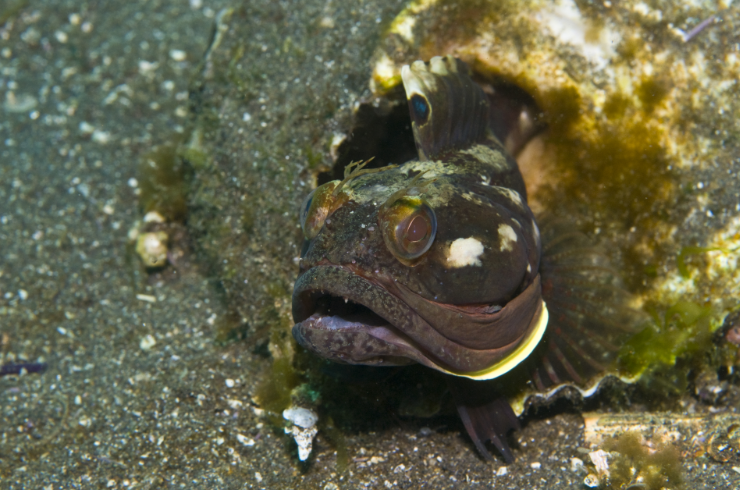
[{"x": 522, "y": 351}]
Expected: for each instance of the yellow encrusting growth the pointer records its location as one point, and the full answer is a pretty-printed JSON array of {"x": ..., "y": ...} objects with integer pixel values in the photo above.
[
  {"x": 622, "y": 119},
  {"x": 630, "y": 461},
  {"x": 631, "y": 123}
]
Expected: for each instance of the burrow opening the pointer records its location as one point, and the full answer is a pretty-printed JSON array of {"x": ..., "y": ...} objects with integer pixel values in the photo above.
[
  {"x": 381, "y": 131},
  {"x": 382, "y": 127}
]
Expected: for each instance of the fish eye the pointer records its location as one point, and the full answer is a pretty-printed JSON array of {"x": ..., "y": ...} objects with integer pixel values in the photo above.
[
  {"x": 317, "y": 206},
  {"x": 305, "y": 207},
  {"x": 409, "y": 226},
  {"x": 420, "y": 107}
]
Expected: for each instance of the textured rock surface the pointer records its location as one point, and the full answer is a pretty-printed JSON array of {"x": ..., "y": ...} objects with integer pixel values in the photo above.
[
  {"x": 642, "y": 141},
  {"x": 138, "y": 391}
]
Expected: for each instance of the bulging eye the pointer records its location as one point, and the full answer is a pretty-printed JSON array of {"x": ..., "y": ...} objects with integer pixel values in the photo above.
[
  {"x": 317, "y": 206},
  {"x": 305, "y": 207},
  {"x": 409, "y": 226}
]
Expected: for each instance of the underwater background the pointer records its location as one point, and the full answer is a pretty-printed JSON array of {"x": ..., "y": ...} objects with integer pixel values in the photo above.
[{"x": 153, "y": 156}]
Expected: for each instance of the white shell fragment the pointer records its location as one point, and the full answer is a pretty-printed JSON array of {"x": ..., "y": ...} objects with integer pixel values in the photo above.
[
  {"x": 303, "y": 430},
  {"x": 152, "y": 248},
  {"x": 600, "y": 460},
  {"x": 153, "y": 217},
  {"x": 592, "y": 481},
  {"x": 147, "y": 342},
  {"x": 302, "y": 417},
  {"x": 247, "y": 441}
]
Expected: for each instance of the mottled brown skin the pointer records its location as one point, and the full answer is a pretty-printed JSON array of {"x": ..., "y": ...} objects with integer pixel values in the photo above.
[
  {"x": 366, "y": 295},
  {"x": 351, "y": 241},
  {"x": 359, "y": 300}
]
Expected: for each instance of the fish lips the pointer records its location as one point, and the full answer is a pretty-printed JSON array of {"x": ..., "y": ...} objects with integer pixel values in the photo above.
[
  {"x": 335, "y": 314},
  {"x": 335, "y": 338},
  {"x": 345, "y": 316}
]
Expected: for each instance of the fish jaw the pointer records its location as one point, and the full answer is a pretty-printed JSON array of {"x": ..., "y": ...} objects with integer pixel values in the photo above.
[
  {"x": 333, "y": 337},
  {"x": 347, "y": 317}
]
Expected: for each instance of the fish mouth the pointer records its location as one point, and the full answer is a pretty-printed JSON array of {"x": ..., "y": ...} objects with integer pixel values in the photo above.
[
  {"x": 336, "y": 315},
  {"x": 343, "y": 315}
]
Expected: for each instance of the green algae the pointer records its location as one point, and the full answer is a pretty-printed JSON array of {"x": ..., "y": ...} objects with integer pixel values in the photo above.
[
  {"x": 230, "y": 328},
  {"x": 294, "y": 380},
  {"x": 194, "y": 156},
  {"x": 337, "y": 440},
  {"x": 663, "y": 354},
  {"x": 689, "y": 251},
  {"x": 237, "y": 53},
  {"x": 620, "y": 169},
  {"x": 13, "y": 9},
  {"x": 249, "y": 215},
  {"x": 314, "y": 159},
  {"x": 562, "y": 110},
  {"x": 616, "y": 105},
  {"x": 651, "y": 91},
  {"x": 629, "y": 459},
  {"x": 164, "y": 181},
  {"x": 274, "y": 391}
]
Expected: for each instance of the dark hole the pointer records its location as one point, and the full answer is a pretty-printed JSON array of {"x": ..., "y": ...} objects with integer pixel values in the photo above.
[
  {"x": 383, "y": 132},
  {"x": 330, "y": 305},
  {"x": 507, "y": 102}
]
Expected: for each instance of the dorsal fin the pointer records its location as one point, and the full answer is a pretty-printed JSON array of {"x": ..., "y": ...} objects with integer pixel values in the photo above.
[{"x": 448, "y": 110}]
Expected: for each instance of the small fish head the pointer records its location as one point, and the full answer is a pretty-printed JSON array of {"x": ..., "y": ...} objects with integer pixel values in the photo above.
[{"x": 401, "y": 264}]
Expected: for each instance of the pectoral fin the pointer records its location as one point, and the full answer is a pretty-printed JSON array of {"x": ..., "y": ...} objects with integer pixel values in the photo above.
[{"x": 485, "y": 414}]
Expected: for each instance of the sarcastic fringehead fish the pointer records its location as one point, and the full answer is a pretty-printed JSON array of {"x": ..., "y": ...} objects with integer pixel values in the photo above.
[{"x": 440, "y": 261}]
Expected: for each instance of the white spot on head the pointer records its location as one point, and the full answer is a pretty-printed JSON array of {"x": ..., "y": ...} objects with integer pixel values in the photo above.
[
  {"x": 411, "y": 82},
  {"x": 516, "y": 197},
  {"x": 510, "y": 194},
  {"x": 465, "y": 251},
  {"x": 438, "y": 66},
  {"x": 508, "y": 237},
  {"x": 417, "y": 79}
]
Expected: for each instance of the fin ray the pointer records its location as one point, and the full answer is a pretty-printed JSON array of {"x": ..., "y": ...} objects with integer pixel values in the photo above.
[
  {"x": 486, "y": 415},
  {"x": 590, "y": 311}
]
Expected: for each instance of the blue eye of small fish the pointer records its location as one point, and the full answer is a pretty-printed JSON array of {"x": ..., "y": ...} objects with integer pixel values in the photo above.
[{"x": 420, "y": 107}]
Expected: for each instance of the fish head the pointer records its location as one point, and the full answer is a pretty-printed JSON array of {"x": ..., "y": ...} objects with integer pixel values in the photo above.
[{"x": 425, "y": 262}]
